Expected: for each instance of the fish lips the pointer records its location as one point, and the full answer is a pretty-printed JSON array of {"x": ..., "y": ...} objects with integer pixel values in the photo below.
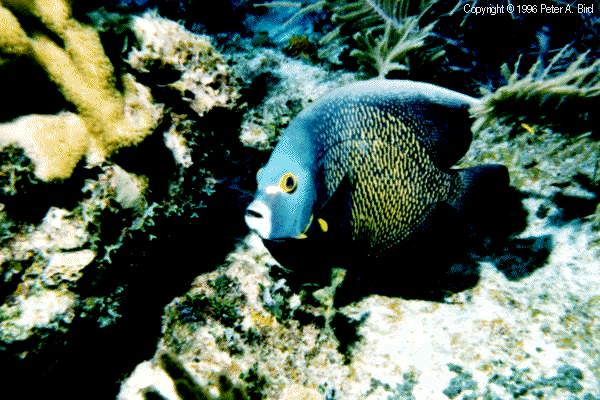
[{"x": 271, "y": 220}]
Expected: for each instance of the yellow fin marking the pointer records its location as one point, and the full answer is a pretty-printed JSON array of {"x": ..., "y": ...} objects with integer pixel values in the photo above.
[
  {"x": 528, "y": 128},
  {"x": 323, "y": 224}
]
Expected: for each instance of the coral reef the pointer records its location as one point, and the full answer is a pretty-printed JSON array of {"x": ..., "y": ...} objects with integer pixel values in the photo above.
[
  {"x": 552, "y": 151},
  {"x": 105, "y": 119},
  {"x": 225, "y": 326},
  {"x": 533, "y": 303},
  {"x": 204, "y": 81},
  {"x": 389, "y": 52},
  {"x": 403, "y": 346},
  {"x": 386, "y": 34},
  {"x": 47, "y": 261},
  {"x": 78, "y": 253},
  {"x": 173, "y": 131}
]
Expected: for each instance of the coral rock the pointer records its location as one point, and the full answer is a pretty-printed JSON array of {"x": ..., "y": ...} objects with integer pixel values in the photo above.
[{"x": 204, "y": 80}]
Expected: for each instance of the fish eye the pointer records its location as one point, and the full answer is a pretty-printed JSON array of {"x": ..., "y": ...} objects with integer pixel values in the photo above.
[{"x": 288, "y": 182}]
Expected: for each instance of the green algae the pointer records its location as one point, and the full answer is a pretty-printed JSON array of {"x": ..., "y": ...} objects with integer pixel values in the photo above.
[
  {"x": 17, "y": 174},
  {"x": 255, "y": 382},
  {"x": 401, "y": 391},
  {"x": 223, "y": 305},
  {"x": 463, "y": 381}
]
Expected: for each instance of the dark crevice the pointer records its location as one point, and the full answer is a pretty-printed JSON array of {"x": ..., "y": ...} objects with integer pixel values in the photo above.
[
  {"x": 574, "y": 207},
  {"x": 27, "y": 199},
  {"x": 346, "y": 332},
  {"x": 523, "y": 256},
  {"x": 259, "y": 88},
  {"x": 151, "y": 159},
  {"x": 35, "y": 95},
  {"x": 12, "y": 272}
]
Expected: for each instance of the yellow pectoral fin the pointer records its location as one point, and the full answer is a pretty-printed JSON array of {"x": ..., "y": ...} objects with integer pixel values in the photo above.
[
  {"x": 301, "y": 236},
  {"x": 323, "y": 224}
]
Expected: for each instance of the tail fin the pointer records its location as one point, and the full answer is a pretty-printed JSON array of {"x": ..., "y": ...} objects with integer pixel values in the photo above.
[{"x": 481, "y": 190}]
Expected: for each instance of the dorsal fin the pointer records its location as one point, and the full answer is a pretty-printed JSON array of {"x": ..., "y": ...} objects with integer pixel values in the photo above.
[
  {"x": 448, "y": 132},
  {"x": 440, "y": 115}
]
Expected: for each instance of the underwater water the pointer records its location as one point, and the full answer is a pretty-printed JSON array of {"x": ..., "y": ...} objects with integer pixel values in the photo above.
[{"x": 131, "y": 138}]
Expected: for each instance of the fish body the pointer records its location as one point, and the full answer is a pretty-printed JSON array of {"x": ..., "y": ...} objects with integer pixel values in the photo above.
[{"x": 374, "y": 157}]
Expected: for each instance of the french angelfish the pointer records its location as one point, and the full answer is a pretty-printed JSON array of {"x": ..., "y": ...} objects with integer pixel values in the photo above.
[{"x": 383, "y": 149}]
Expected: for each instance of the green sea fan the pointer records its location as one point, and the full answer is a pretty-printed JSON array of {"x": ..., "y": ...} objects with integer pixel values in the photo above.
[{"x": 563, "y": 92}]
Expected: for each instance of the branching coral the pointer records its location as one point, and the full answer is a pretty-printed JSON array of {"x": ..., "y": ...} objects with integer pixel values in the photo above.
[
  {"x": 106, "y": 119},
  {"x": 543, "y": 93}
]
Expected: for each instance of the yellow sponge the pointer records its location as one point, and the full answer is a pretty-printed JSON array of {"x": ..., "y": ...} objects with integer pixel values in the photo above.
[{"x": 105, "y": 120}]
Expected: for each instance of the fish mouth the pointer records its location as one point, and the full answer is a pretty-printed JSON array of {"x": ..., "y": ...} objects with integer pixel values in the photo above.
[{"x": 258, "y": 218}]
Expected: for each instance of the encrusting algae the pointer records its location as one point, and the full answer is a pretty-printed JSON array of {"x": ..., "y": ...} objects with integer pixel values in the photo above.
[{"x": 106, "y": 119}]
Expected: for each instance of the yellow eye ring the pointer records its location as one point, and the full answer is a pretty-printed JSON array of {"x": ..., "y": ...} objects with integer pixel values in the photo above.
[{"x": 288, "y": 182}]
